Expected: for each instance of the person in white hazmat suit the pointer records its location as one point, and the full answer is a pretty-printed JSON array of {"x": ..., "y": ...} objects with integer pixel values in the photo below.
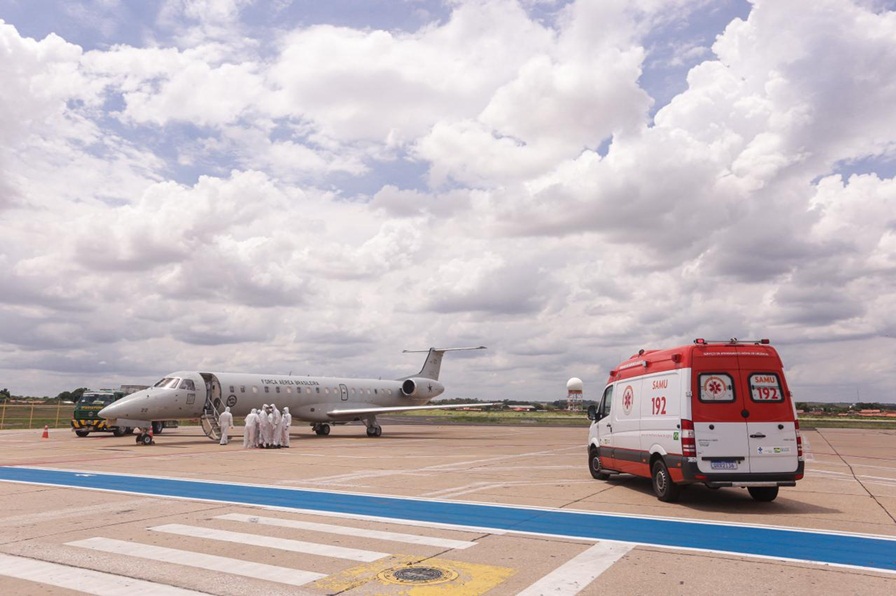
[
  {"x": 266, "y": 427},
  {"x": 261, "y": 414},
  {"x": 225, "y": 421},
  {"x": 285, "y": 421},
  {"x": 250, "y": 433},
  {"x": 276, "y": 432}
]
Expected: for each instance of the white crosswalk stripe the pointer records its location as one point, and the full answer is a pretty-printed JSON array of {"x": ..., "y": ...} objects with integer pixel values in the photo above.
[
  {"x": 298, "y": 546},
  {"x": 347, "y": 531},
  {"x": 82, "y": 580},
  {"x": 283, "y": 575},
  {"x": 578, "y": 572}
]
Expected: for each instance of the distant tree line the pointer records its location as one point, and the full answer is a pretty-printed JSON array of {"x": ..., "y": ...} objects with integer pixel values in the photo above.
[
  {"x": 73, "y": 396},
  {"x": 837, "y": 408}
]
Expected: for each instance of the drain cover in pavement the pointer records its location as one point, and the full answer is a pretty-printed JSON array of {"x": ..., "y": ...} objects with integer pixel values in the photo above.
[{"x": 417, "y": 575}]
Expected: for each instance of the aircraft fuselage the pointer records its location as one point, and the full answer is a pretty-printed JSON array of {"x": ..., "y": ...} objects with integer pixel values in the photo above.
[{"x": 183, "y": 395}]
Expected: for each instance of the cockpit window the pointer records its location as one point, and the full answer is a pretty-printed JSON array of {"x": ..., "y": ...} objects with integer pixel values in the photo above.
[
  {"x": 188, "y": 385},
  {"x": 167, "y": 383}
]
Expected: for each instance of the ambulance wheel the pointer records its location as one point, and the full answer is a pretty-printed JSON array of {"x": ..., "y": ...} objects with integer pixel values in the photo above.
[
  {"x": 594, "y": 465},
  {"x": 763, "y": 494},
  {"x": 82, "y": 433},
  {"x": 666, "y": 490}
]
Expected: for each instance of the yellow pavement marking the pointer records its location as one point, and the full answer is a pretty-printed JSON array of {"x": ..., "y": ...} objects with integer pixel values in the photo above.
[{"x": 459, "y": 577}]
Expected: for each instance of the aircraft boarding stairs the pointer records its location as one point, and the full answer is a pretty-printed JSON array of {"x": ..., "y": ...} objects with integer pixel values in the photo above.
[{"x": 209, "y": 420}]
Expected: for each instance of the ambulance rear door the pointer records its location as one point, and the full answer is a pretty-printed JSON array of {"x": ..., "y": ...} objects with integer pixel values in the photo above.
[
  {"x": 771, "y": 429},
  {"x": 720, "y": 431}
]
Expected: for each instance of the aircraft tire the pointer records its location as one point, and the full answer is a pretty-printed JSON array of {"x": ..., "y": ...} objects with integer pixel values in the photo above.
[
  {"x": 322, "y": 429},
  {"x": 118, "y": 431},
  {"x": 157, "y": 427},
  {"x": 145, "y": 439},
  {"x": 374, "y": 431}
]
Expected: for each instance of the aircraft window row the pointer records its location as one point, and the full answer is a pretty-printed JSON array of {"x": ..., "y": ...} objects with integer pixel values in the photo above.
[{"x": 267, "y": 389}]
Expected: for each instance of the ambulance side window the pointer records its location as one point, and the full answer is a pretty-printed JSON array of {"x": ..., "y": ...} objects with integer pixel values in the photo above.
[
  {"x": 716, "y": 387},
  {"x": 605, "y": 403},
  {"x": 765, "y": 387}
]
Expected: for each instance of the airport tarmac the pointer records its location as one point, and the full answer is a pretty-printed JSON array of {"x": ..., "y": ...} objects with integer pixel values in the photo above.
[{"x": 425, "y": 509}]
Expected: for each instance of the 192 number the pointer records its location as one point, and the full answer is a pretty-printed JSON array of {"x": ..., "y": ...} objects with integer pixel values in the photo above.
[
  {"x": 659, "y": 405},
  {"x": 766, "y": 393}
]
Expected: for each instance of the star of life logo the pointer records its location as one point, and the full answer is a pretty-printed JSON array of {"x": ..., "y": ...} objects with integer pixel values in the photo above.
[{"x": 628, "y": 398}]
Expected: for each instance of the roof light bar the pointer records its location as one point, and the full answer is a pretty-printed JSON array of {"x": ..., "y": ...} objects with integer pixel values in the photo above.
[{"x": 701, "y": 341}]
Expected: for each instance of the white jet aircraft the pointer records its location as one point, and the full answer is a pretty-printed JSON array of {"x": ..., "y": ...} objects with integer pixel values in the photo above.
[{"x": 319, "y": 400}]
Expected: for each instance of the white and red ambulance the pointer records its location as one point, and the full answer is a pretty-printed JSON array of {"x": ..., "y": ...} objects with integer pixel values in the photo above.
[{"x": 714, "y": 412}]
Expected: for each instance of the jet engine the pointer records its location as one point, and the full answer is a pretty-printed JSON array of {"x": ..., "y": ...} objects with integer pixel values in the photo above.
[{"x": 421, "y": 388}]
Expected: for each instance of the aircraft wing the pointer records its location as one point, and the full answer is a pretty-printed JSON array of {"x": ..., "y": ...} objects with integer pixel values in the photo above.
[{"x": 362, "y": 411}]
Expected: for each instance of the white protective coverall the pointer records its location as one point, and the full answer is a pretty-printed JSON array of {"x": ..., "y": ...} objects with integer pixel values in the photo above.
[
  {"x": 264, "y": 426},
  {"x": 285, "y": 421},
  {"x": 225, "y": 421},
  {"x": 250, "y": 433},
  {"x": 276, "y": 419}
]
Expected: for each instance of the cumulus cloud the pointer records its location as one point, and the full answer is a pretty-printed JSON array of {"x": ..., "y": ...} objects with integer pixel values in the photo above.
[{"x": 231, "y": 194}]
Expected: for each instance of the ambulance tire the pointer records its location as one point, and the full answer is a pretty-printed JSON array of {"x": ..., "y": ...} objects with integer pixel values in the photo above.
[
  {"x": 594, "y": 465},
  {"x": 665, "y": 490},
  {"x": 82, "y": 433},
  {"x": 763, "y": 494}
]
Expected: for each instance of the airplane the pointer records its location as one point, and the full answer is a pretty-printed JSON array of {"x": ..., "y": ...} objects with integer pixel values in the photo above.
[{"x": 322, "y": 401}]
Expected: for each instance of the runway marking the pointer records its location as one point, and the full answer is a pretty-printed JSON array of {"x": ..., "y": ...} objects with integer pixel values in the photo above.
[
  {"x": 82, "y": 580},
  {"x": 283, "y": 575},
  {"x": 480, "y": 486},
  {"x": 787, "y": 544},
  {"x": 296, "y": 546},
  {"x": 847, "y": 477},
  {"x": 76, "y": 512},
  {"x": 348, "y": 478},
  {"x": 348, "y": 531},
  {"x": 574, "y": 575}
]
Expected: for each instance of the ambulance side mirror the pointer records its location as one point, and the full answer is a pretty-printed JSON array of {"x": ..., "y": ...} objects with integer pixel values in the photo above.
[{"x": 592, "y": 412}]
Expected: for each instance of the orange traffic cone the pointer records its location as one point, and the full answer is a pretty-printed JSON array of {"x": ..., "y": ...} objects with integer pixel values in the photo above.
[{"x": 46, "y": 434}]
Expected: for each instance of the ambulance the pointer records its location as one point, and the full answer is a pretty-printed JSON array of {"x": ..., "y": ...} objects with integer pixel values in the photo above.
[{"x": 717, "y": 413}]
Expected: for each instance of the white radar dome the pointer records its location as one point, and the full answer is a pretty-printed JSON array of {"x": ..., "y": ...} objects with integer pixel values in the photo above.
[{"x": 574, "y": 384}]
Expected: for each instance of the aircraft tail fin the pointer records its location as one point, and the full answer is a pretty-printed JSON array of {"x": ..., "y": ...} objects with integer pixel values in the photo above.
[{"x": 433, "y": 363}]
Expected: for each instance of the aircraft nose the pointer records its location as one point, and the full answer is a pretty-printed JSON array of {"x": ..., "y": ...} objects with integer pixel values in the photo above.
[
  {"x": 110, "y": 411},
  {"x": 120, "y": 409}
]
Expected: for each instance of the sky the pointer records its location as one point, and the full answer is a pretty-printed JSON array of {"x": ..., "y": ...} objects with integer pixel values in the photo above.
[{"x": 304, "y": 187}]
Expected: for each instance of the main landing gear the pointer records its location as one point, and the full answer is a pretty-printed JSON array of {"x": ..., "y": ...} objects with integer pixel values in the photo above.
[
  {"x": 373, "y": 429},
  {"x": 322, "y": 429}
]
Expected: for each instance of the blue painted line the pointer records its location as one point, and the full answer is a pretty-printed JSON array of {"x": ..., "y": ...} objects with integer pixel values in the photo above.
[{"x": 870, "y": 552}]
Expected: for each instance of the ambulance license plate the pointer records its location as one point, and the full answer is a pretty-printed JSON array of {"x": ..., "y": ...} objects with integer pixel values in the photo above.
[{"x": 724, "y": 465}]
